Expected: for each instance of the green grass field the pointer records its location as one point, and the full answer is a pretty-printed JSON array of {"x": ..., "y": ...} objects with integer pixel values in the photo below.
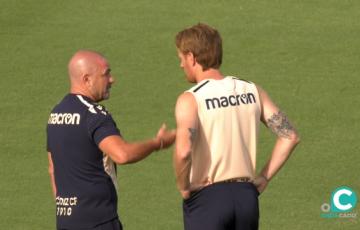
[{"x": 304, "y": 53}]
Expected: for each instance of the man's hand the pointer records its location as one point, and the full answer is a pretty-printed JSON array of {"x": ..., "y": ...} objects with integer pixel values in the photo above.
[
  {"x": 185, "y": 194},
  {"x": 261, "y": 183},
  {"x": 122, "y": 152},
  {"x": 165, "y": 137}
]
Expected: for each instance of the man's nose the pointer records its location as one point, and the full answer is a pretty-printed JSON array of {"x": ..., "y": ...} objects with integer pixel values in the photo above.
[{"x": 112, "y": 79}]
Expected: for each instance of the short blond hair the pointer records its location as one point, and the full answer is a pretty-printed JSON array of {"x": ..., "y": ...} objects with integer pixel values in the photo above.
[{"x": 204, "y": 42}]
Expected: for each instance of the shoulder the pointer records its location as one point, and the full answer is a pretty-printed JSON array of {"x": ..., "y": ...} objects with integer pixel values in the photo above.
[
  {"x": 92, "y": 107},
  {"x": 248, "y": 84},
  {"x": 100, "y": 109},
  {"x": 244, "y": 81},
  {"x": 262, "y": 93},
  {"x": 199, "y": 86},
  {"x": 185, "y": 103},
  {"x": 186, "y": 98},
  {"x": 94, "y": 114},
  {"x": 65, "y": 104}
]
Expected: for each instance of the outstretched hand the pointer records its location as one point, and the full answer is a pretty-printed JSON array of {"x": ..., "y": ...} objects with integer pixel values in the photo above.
[{"x": 165, "y": 137}]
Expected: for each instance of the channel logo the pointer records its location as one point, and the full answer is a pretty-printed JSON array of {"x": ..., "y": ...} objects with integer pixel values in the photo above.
[{"x": 342, "y": 204}]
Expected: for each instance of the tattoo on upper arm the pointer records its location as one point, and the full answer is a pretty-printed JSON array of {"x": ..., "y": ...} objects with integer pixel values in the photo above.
[
  {"x": 280, "y": 125},
  {"x": 192, "y": 135}
]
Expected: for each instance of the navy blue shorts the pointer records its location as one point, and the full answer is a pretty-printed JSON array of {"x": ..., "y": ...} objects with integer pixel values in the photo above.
[
  {"x": 223, "y": 206},
  {"x": 114, "y": 224}
]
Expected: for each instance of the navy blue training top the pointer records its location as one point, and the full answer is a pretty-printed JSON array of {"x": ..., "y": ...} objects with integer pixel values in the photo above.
[{"x": 86, "y": 195}]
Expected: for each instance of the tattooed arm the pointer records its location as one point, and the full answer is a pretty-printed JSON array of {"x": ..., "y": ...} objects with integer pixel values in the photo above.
[
  {"x": 287, "y": 139},
  {"x": 186, "y": 131}
]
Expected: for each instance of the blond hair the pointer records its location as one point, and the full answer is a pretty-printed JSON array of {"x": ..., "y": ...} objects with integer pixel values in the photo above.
[{"x": 204, "y": 42}]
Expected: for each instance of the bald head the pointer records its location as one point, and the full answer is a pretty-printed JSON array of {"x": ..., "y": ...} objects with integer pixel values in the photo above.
[
  {"x": 88, "y": 72},
  {"x": 84, "y": 62}
]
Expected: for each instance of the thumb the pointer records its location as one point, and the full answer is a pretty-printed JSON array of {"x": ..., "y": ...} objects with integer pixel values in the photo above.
[
  {"x": 163, "y": 126},
  {"x": 161, "y": 130}
]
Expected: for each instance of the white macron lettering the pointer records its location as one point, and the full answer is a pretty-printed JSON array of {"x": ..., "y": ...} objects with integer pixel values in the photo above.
[{"x": 64, "y": 119}]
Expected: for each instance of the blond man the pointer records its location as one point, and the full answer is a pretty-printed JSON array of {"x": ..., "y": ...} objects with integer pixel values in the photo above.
[{"x": 216, "y": 139}]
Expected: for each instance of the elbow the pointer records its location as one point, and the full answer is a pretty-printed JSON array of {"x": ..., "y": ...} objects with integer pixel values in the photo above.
[
  {"x": 124, "y": 157},
  {"x": 121, "y": 158},
  {"x": 291, "y": 139},
  {"x": 51, "y": 170},
  {"x": 182, "y": 159},
  {"x": 295, "y": 138},
  {"x": 183, "y": 155}
]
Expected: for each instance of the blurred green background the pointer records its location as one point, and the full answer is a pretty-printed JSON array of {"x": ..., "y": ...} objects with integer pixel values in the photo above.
[{"x": 304, "y": 53}]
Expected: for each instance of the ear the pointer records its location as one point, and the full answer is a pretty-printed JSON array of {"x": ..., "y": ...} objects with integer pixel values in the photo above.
[{"x": 85, "y": 78}]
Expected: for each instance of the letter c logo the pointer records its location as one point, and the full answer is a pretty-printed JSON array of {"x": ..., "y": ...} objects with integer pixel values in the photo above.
[
  {"x": 336, "y": 199},
  {"x": 343, "y": 199}
]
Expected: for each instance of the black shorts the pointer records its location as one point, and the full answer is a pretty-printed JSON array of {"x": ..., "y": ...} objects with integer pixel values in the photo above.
[
  {"x": 223, "y": 206},
  {"x": 114, "y": 224}
]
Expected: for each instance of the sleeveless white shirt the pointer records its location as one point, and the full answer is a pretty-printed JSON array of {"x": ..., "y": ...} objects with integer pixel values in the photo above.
[{"x": 225, "y": 145}]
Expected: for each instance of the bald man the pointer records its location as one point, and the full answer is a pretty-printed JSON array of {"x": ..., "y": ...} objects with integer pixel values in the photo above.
[{"x": 84, "y": 145}]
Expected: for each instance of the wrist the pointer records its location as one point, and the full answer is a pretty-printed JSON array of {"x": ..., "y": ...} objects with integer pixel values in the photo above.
[
  {"x": 266, "y": 178},
  {"x": 159, "y": 143}
]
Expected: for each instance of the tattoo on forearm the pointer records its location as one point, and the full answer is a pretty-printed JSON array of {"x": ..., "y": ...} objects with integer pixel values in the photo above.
[
  {"x": 192, "y": 135},
  {"x": 280, "y": 125}
]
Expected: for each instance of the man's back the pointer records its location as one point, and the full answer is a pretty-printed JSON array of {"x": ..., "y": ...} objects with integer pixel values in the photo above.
[
  {"x": 217, "y": 127},
  {"x": 85, "y": 192},
  {"x": 229, "y": 116}
]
